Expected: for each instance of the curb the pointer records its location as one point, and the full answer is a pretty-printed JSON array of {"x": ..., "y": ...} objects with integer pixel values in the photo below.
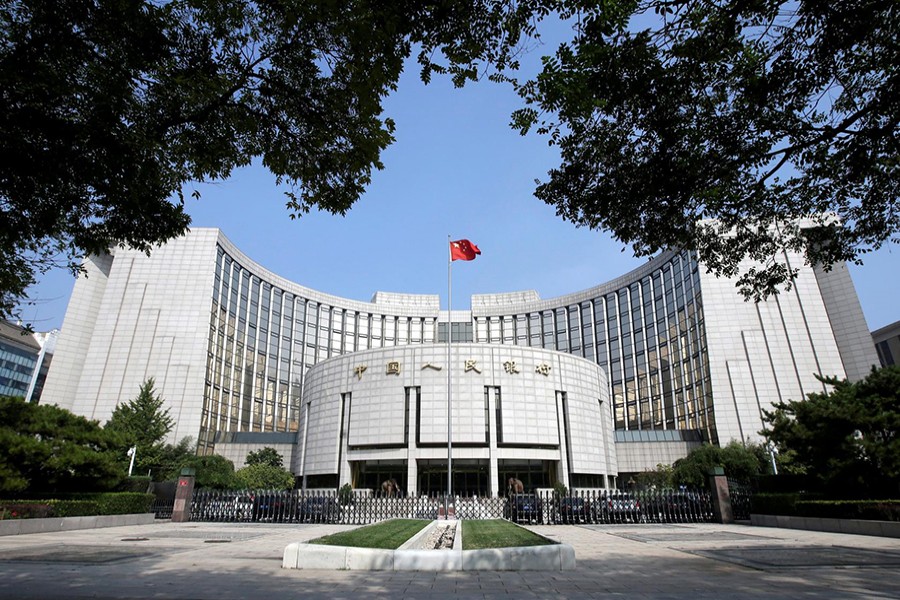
[
  {"x": 25, "y": 526},
  {"x": 889, "y": 529}
]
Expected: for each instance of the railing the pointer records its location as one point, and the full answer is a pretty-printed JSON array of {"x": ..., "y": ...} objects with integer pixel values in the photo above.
[
  {"x": 162, "y": 507},
  {"x": 595, "y": 507},
  {"x": 164, "y": 499},
  {"x": 612, "y": 507},
  {"x": 740, "y": 493}
]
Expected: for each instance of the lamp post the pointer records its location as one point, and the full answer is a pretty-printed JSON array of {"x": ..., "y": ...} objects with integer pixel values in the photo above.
[{"x": 131, "y": 452}]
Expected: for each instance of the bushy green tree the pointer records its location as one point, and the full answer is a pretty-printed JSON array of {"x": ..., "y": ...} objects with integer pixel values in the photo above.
[
  {"x": 144, "y": 423},
  {"x": 265, "y": 456},
  {"x": 740, "y": 461},
  {"x": 111, "y": 109},
  {"x": 213, "y": 471},
  {"x": 679, "y": 120},
  {"x": 659, "y": 478},
  {"x": 738, "y": 112},
  {"x": 264, "y": 476},
  {"x": 44, "y": 448},
  {"x": 847, "y": 437},
  {"x": 170, "y": 457}
]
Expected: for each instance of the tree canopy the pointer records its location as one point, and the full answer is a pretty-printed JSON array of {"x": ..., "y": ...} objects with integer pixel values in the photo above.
[
  {"x": 706, "y": 117},
  {"x": 44, "y": 448},
  {"x": 109, "y": 110},
  {"x": 213, "y": 471},
  {"x": 848, "y": 438},
  {"x": 265, "y": 476},
  {"x": 743, "y": 462},
  {"x": 773, "y": 122},
  {"x": 265, "y": 456}
]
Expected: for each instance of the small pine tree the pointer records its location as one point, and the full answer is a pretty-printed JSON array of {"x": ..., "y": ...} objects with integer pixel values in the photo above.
[{"x": 144, "y": 423}]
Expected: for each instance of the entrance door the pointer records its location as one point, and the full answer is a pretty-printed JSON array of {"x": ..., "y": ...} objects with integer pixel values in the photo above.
[
  {"x": 532, "y": 473},
  {"x": 371, "y": 474},
  {"x": 470, "y": 477}
]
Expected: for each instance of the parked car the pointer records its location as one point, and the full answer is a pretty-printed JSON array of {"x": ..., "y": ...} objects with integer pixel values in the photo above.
[
  {"x": 243, "y": 507},
  {"x": 619, "y": 507},
  {"x": 271, "y": 506},
  {"x": 318, "y": 509},
  {"x": 574, "y": 509},
  {"x": 676, "y": 506},
  {"x": 689, "y": 506},
  {"x": 525, "y": 508}
]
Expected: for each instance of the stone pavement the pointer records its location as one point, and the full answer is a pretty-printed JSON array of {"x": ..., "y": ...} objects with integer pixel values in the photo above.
[{"x": 218, "y": 561}]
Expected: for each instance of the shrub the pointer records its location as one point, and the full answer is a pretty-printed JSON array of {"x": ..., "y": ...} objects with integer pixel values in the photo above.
[
  {"x": 73, "y": 508},
  {"x": 24, "y": 510},
  {"x": 787, "y": 482},
  {"x": 868, "y": 510},
  {"x": 78, "y": 505},
  {"x": 774, "y": 504},
  {"x": 139, "y": 484},
  {"x": 345, "y": 494},
  {"x": 124, "y": 503},
  {"x": 807, "y": 505}
]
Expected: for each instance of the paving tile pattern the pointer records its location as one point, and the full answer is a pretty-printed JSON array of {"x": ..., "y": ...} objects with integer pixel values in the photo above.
[{"x": 694, "y": 562}]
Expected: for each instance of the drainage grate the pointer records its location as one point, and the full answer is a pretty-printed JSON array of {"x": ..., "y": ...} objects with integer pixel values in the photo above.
[
  {"x": 231, "y": 536},
  {"x": 75, "y": 554},
  {"x": 781, "y": 557},
  {"x": 697, "y": 536}
]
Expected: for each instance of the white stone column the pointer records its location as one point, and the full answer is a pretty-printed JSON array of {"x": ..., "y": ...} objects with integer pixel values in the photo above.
[
  {"x": 412, "y": 470},
  {"x": 493, "y": 469}
]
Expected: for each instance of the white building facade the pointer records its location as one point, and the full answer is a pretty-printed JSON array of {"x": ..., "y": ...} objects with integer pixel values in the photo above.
[{"x": 642, "y": 368}]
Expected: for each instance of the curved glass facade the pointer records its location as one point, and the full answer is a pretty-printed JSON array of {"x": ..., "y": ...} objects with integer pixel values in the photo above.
[
  {"x": 230, "y": 344},
  {"x": 644, "y": 329},
  {"x": 262, "y": 337}
]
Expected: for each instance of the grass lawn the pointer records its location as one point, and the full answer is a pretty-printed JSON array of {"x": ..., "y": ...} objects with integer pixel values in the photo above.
[
  {"x": 497, "y": 533},
  {"x": 389, "y": 535}
]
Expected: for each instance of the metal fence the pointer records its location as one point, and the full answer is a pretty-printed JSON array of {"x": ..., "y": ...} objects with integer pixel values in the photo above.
[
  {"x": 740, "y": 493},
  {"x": 162, "y": 507},
  {"x": 601, "y": 507},
  {"x": 163, "y": 498}
]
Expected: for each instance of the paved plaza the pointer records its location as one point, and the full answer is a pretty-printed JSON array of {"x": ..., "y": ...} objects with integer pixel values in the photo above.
[{"x": 217, "y": 561}]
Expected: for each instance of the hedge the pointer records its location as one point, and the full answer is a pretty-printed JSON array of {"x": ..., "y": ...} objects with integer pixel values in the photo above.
[
  {"x": 774, "y": 504},
  {"x": 867, "y": 510},
  {"x": 802, "y": 505},
  {"x": 136, "y": 483},
  {"x": 78, "y": 505}
]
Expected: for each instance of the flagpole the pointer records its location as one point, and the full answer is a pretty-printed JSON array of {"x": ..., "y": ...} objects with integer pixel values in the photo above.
[{"x": 449, "y": 370}]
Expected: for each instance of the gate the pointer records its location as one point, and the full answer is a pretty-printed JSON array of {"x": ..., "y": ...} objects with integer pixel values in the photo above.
[
  {"x": 546, "y": 507},
  {"x": 740, "y": 493}
]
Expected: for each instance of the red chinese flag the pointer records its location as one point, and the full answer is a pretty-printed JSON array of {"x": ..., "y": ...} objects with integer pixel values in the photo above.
[{"x": 463, "y": 250}]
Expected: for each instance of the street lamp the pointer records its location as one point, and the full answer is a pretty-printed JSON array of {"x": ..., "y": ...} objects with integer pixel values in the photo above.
[{"x": 131, "y": 452}]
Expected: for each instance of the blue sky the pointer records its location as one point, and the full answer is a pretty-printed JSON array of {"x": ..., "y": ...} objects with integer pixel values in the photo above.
[{"x": 455, "y": 169}]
